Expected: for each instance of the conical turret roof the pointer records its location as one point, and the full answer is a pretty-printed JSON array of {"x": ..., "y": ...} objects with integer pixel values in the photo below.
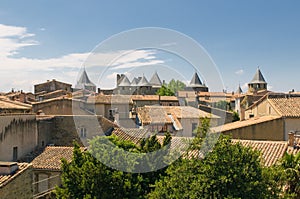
[
  {"x": 143, "y": 82},
  {"x": 258, "y": 78},
  {"x": 195, "y": 81},
  {"x": 134, "y": 82},
  {"x": 125, "y": 81},
  {"x": 84, "y": 80},
  {"x": 239, "y": 90},
  {"x": 155, "y": 80}
]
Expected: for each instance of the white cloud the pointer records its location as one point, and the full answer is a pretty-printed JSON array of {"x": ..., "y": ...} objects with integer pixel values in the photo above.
[
  {"x": 239, "y": 72},
  {"x": 13, "y": 38},
  {"x": 22, "y": 72},
  {"x": 136, "y": 58}
]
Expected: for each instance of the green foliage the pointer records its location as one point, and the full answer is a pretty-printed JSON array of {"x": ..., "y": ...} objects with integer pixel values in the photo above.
[
  {"x": 200, "y": 133},
  {"x": 165, "y": 91},
  {"x": 171, "y": 88},
  {"x": 176, "y": 85},
  {"x": 229, "y": 171},
  {"x": 87, "y": 177},
  {"x": 235, "y": 116},
  {"x": 290, "y": 165},
  {"x": 224, "y": 105}
]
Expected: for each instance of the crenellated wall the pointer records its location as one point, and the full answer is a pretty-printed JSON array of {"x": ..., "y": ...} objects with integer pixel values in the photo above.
[{"x": 17, "y": 133}]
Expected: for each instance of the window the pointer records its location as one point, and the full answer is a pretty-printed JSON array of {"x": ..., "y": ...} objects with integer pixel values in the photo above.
[
  {"x": 194, "y": 126},
  {"x": 83, "y": 132},
  {"x": 43, "y": 183},
  {"x": 251, "y": 115},
  {"x": 15, "y": 153}
]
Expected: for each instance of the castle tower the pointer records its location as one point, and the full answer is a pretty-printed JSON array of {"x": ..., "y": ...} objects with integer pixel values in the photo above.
[
  {"x": 196, "y": 84},
  {"x": 258, "y": 82},
  {"x": 85, "y": 83}
]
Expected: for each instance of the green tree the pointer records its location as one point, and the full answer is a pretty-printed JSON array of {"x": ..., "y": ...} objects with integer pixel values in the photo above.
[
  {"x": 229, "y": 171},
  {"x": 290, "y": 165},
  {"x": 176, "y": 85},
  {"x": 224, "y": 105},
  {"x": 235, "y": 116},
  {"x": 87, "y": 177},
  {"x": 165, "y": 91}
]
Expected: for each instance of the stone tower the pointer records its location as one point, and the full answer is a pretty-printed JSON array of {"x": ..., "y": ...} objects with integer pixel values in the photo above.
[{"x": 258, "y": 82}]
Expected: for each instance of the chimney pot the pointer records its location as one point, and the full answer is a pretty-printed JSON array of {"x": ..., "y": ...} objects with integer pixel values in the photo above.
[{"x": 291, "y": 141}]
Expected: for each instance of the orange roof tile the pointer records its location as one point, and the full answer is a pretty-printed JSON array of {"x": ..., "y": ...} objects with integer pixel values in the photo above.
[
  {"x": 50, "y": 159},
  {"x": 286, "y": 106},
  {"x": 244, "y": 123},
  {"x": 5, "y": 179},
  {"x": 10, "y": 104},
  {"x": 271, "y": 151}
]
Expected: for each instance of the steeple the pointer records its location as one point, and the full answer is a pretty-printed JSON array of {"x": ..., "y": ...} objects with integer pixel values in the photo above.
[
  {"x": 258, "y": 82},
  {"x": 84, "y": 82}
]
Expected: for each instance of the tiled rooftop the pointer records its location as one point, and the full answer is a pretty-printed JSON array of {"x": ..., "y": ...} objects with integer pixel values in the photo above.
[
  {"x": 50, "y": 159},
  {"x": 244, "y": 123},
  {"x": 287, "y": 106},
  {"x": 5, "y": 179},
  {"x": 159, "y": 114},
  {"x": 153, "y": 98},
  {"x": 271, "y": 151},
  {"x": 5, "y": 103}
]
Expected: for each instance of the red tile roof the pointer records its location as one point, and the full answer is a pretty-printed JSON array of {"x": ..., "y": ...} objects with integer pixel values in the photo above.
[
  {"x": 286, "y": 106},
  {"x": 271, "y": 151},
  {"x": 244, "y": 123},
  {"x": 5, "y": 179},
  {"x": 50, "y": 159}
]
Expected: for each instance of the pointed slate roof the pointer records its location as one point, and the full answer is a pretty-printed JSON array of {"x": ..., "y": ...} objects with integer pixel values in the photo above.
[
  {"x": 195, "y": 81},
  {"x": 125, "y": 81},
  {"x": 239, "y": 90},
  {"x": 84, "y": 80},
  {"x": 155, "y": 80},
  {"x": 134, "y": 82},
  {"x": 258, "y": 77},
  {"x": 143, "y": 82}
]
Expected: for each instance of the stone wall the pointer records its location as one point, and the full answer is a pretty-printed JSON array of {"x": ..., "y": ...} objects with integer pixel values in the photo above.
[
  {"x": 18, "y": 135},
  {"x": 60, "y": 106},
  {"x": 19, "y": 187},
  {"x": 271, "y": 130},
  {"x": 53, "y": 85},
  {"x": 62, "y": 130}
]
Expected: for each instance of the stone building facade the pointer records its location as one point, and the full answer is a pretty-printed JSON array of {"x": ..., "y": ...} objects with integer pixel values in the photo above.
[{"x": 18, "y": 136}]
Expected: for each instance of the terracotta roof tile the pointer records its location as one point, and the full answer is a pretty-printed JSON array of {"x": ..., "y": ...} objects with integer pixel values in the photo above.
[
  {"x": 50, "y": 159},
  {"x": 5, "y": 179},
  {"x": 10, "y": 104},
  {"x": 244, "y": 123},
  {"x": 271, "y": 151},
  {"x": 287, "y": 106}
]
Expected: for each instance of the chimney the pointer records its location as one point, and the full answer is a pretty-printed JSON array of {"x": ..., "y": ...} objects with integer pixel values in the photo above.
[
  {"x": 291, "y": 141},
  {"x": 242, "y": 115},
  {"x": 8, "y": 168}
]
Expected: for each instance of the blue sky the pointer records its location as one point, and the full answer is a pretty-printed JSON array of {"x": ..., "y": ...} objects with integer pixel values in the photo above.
[{"x": 43, "y": 40}]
